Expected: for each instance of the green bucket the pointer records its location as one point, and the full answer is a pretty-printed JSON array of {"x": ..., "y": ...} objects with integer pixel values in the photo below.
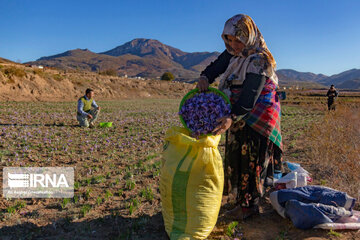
[
  {"x": 195, "y": 91},
  {"x": 105, "y": 124}
]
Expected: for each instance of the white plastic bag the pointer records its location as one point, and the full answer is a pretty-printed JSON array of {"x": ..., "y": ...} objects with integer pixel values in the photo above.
[
  {"x": 296, "y": 178},
  {"x": 351, "y": 223}
]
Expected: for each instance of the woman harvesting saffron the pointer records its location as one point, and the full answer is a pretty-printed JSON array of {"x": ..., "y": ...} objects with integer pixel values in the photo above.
[{"x": 254, "y": 148}]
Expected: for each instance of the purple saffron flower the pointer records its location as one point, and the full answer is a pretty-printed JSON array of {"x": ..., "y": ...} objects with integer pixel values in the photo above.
[{"x": 201, "y": 112}]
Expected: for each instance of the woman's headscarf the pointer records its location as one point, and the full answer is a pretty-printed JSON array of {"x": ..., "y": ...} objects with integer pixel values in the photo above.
[{"x": 245, "y": 30}]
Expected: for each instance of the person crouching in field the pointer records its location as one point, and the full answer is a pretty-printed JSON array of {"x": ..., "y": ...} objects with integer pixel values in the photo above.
[
  {"x": 87, "y": 110},
  {"x": 332, "y": 95},
  {"x": 254, "y": 147}
]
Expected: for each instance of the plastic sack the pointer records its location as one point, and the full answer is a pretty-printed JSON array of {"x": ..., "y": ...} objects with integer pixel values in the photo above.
[
  {"x": 296, "y": 178},
  {"x": 350, "y": 223},
  {"x": 292, "y": 166},
  {"x": 191, "y": 184}
]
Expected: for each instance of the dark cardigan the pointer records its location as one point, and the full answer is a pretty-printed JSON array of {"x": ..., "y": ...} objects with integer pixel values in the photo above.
[{"x": 251, "y": 87}]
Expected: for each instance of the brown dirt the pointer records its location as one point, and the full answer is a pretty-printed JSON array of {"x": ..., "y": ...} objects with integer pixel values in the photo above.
[
  {"x": 56, "y": 85},
  {"x": 53, "y": 85}
]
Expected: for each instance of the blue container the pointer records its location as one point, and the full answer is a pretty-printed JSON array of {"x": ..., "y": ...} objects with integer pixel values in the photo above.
[
  {"x": 292, "y": 166},
  {"x": 281, "y": 95},
  {"x": 277, "y": 175}
]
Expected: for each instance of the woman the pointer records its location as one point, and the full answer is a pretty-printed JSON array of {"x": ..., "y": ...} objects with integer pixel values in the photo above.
[{"x": 253, "y": 151}]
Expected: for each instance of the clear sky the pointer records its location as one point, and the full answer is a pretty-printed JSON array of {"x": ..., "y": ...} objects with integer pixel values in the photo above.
[{"x": 320, "y": 36}]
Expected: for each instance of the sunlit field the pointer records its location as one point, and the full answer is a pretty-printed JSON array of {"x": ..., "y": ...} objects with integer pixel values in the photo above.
[{"x": 117, "y": 169}]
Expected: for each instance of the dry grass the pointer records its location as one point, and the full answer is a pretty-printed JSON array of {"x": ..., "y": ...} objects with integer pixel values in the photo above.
[
  {"x": 109, "y": 72},
  {"x": 11, "y": 71},
  {"x": 39, "y": 72},
  {"x": 58, "y": 77},
  {"x": 334, "y": 150}
]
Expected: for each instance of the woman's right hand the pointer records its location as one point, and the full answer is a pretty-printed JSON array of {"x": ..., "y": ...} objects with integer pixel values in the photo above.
[
  {"x": 203, "y": 84},
  {"x": 224, "y": 124}
]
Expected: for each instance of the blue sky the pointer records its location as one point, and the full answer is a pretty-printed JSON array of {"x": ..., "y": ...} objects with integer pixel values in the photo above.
[{"x": 320, "y": 36}]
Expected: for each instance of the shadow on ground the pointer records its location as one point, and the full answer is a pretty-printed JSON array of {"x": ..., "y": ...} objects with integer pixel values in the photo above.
[
  {"x": 108, "y": 227},
  {"x": 39, "y": 125}
]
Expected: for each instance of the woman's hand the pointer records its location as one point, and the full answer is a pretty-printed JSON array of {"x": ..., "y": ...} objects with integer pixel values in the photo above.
[
  {"x": 203, "y": 84},
  {"x": 224, "y": 124}
]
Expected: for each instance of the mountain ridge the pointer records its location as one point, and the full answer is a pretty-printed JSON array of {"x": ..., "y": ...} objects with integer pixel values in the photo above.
[
  {"x": 151, "y": 58},
  {"x": 138, "y": 57}
]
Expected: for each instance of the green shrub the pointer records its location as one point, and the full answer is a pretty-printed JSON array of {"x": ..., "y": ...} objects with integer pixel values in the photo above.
[
  {"x": 167, "y": 76},
  {"x": 13, "y": 71},
  {"x": 58, "y": 77},
  {"x": 85, "y": 209},
  {"x": 147, "y": 194},
  {"x": 17, "y": 206},
  {"x": 109, "y": 72},
  {"x": 230, "y": 230},
  {"x": 65, "y": 202},
  {"x": 39, "y": 72}
]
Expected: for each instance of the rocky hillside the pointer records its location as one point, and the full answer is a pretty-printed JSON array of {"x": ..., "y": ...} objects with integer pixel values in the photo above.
[
  {"x": 139, "y": 57},
  {"x": 21, "y": 83},
  {"x": 150, "y": 58},
  {"x": 292, "y": 75},
  {"x": 347, "y": 80}
]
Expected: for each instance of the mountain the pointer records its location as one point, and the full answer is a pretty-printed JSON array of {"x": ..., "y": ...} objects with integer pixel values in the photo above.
[
  {"x": 150, "y": 58},
  {"x": 292, "y": 75},
  {"x": 4, "y": 60},
  {"x": 349, "y": 79},
  {"x": 154, "y": 49},
  {"x": 350, "y": 84},
  {"x": 352, "y": 75},
  {"x": 145, "y": 47},
  {"x": 139, "y": 57},
  {"x": 84, "y": 59},
  {"x": 289, "y": 77}
]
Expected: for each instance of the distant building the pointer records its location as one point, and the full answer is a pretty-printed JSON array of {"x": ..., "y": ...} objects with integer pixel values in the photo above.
[{"x": 37, "y": 66}]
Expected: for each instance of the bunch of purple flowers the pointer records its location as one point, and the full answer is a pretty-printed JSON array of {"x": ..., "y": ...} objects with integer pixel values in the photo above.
[{"x": 201, "y": 112}]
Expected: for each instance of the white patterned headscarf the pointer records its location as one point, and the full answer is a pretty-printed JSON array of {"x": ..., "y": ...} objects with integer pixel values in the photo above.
[
  {"x": 245, "y": 30},
  {"x": 255, "y": 57}
]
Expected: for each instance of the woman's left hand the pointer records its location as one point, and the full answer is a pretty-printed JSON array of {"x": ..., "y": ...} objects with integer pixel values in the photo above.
[
  {"x": 224, "y": 124},
  {"x": 203, "y": 84}
]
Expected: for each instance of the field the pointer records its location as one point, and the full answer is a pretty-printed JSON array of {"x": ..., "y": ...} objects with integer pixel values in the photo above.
[{"x": 117, "y": 169}]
